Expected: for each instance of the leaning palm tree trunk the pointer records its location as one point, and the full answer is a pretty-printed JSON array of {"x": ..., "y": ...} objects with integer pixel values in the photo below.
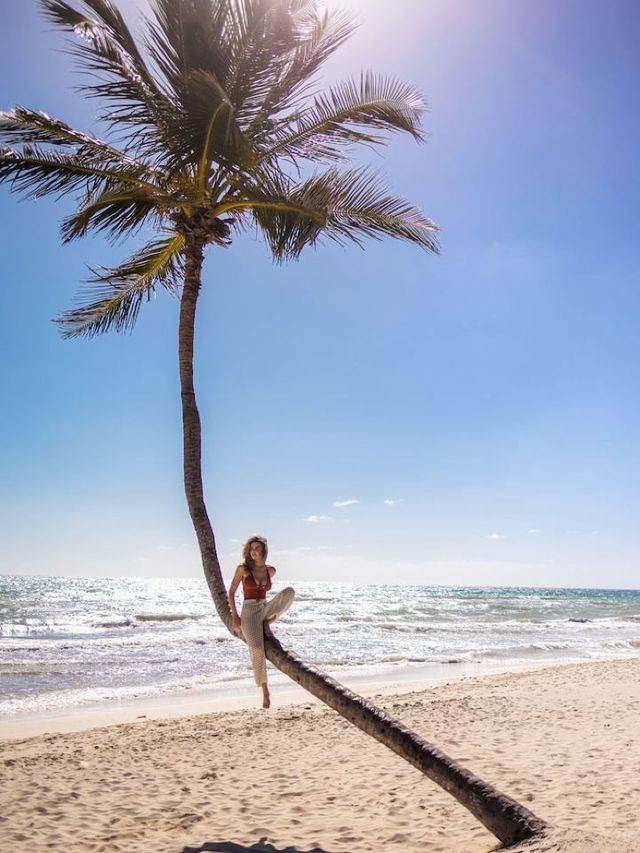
[
  {"x": 507, "y": 819},
  {"x": 192, "y": 432}
]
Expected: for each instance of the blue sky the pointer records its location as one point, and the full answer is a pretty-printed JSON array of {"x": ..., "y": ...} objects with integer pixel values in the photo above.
[{"x": 477, "y": 414}]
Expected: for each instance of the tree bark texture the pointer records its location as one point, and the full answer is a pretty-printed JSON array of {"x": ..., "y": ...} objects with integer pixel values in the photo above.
[
  {"x": 507, "y": 819},
  {"x": 192, "y": 432}
]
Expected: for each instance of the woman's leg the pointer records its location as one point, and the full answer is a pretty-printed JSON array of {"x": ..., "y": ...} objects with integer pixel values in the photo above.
[
  {"x": 251, "y": 618},
  {"x": 278, "y": 605},
  {"x": 280, "y": 602}
]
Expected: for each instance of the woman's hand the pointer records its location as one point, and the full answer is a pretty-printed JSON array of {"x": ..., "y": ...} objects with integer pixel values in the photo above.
[{"x": 235, "y": 623}]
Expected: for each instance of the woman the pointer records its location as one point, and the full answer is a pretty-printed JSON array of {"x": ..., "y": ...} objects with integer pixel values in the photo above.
[{"x": 255, "y": 576}]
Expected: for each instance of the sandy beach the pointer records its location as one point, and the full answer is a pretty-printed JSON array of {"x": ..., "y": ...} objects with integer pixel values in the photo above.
[{"x": 563, "y": 740}]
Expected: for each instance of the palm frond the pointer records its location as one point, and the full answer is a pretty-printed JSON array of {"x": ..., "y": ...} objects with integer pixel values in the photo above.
[
  {"x": 106, "y": 49},
  {"x": 21, "y": 125},
  {"x": 116, "y": 295},
  {"x": 291, "y": 217},
  {"x": 364, "y": 207},
  {"x": 187, "y": 40},
  {"x": 113, "y": 29},
  {"x": 264, "y": 34},
  {"x": 209, "y": 130},
  {"x": 323, "y": 35},
  {"x": 336, "y": 118},
  {"x": 107, "y": 40},
  {"x": 121, "y": 210},
  {"x": 36, "y": 172},
  {"x": 263, "y": 50},
  {"x": 189, "y": 35},
  {"x": 345, "y": 206}
]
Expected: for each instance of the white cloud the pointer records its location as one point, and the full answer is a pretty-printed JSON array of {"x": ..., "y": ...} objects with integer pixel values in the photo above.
[
  {"x": 350, "y": 502},
  {"x": 534, "y": 530},
  {"x": 496, "y": 536},
  {"x": 324, "y": 547},
  {"x": 235, "y": 541},
  {"x": 393, "y": 501},
  {"x": 316, "y": 519}
]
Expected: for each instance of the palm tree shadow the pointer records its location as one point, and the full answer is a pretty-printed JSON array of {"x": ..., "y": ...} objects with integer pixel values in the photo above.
[{"x": 261, "y": 846}]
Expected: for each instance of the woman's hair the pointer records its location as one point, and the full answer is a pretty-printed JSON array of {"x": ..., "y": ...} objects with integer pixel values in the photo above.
[{"x": 247, "y": 562}]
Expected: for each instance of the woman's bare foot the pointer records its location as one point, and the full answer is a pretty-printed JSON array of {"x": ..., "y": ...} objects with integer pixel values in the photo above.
[{"x": 266, "y": 698}]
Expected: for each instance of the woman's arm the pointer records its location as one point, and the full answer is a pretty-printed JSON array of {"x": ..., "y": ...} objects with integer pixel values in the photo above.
[
  {"x": 235, "y": 583},
  {"x": 271, "y": 570}
]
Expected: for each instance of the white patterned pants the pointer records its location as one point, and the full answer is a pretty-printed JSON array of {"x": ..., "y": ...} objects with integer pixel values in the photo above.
[{"x": 253, "y": 615}]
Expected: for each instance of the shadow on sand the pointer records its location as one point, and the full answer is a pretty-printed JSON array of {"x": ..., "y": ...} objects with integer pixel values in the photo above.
[{"x": 261, "y": 846}]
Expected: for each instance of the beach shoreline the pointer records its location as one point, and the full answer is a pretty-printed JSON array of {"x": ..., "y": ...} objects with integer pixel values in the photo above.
[
  {"x": 561, "y": 739},
  {"x": 243, "y": 695},
  {"x": 128, "y": 643}
]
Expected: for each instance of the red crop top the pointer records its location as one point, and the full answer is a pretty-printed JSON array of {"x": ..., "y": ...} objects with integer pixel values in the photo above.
[{"x": 255, "y": 591}]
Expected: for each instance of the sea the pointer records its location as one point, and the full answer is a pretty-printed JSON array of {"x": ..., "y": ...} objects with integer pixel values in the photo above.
[{"x": 68, "y": 643}]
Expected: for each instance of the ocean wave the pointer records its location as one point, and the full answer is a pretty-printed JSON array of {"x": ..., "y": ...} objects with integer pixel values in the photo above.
[
  {"x": 8, "y": 646},
  {"x": 339, "y": 661},
  {"x": 302, "y": 598},
  {"x": 424, "y": 659},
  {"x": 167, "y": 617},
  {"x": 622, "y": 644},
  {"x": 458, "y": 629},
  {"x": 120, "y": 644},
  {"x": 526, "y": 650},
  {"x": 117, "y": 623},
  {"x": 386, "y": 659}
]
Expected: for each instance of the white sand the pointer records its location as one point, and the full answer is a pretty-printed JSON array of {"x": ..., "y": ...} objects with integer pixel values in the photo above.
[{"x": 563, "y": 740}]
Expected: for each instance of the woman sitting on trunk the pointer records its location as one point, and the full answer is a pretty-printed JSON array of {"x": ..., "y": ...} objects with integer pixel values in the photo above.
[{"x": 257, "y": 613}]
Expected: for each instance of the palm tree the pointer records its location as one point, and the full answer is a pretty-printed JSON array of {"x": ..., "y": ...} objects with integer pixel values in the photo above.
[{"x": 215, "y": 123}]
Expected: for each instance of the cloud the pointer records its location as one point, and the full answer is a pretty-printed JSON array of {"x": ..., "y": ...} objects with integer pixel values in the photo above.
[
  {"x": 316, "y": 519},
  {"x": 393, "y": 501},
  {"x": 350, "y": 502},
  {"x": 534, "y": 530},
  {"x": 496, "y": 536}
]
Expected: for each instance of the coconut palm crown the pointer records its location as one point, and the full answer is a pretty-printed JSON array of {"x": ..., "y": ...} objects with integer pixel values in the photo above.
[{"x": 211, "y": 119}]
